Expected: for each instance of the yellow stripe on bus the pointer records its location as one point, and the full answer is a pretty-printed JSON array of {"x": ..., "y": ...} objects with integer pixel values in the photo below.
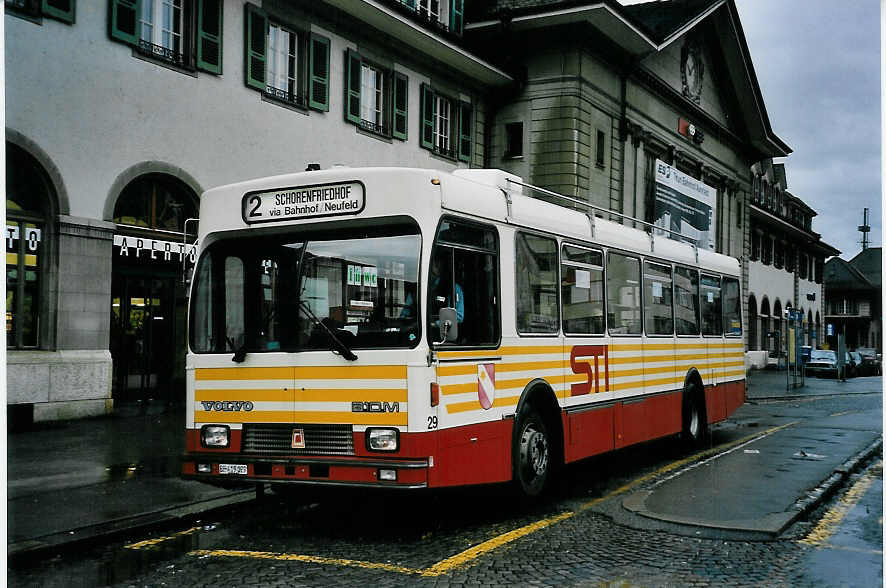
[
  {"x": 370, "y": 372},
  {"x": 286, "y": 416},
  {"x": 306, "y": 395},
  {"x": 457, "y": 407}
]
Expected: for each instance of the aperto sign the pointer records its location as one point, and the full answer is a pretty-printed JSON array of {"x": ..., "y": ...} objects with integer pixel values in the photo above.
[{"x": 301, "y": 202}]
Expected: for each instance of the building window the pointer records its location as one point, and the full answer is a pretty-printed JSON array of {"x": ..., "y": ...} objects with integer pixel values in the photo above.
[
  {"x": 778, "y": 260},
  {"x": 183, "y": 33},
  {"x": 755, "y": 246},
  {"x": 286, "y": 64},
  {"x": 375, "y": 96},
  {"x": 804, "y": 266},
  {"x": 601, "y": 149},
  {"x": 446, "y": 125},
  {"x": 447, "y": 15},
  {"x": 62, "y": 10},
  {"x": 155, "y": 202},
  {"x": 513, "y": 140},
  {"x": 766, "y": 252}
]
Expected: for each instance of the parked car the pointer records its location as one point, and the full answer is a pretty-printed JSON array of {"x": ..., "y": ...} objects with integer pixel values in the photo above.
[
  {"x": 870, "y": 361},
  {"x": 822, "y": 362}
]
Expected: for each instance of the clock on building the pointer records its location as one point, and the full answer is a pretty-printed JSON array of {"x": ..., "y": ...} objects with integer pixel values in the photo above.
[{"x": 691, "y": 70}]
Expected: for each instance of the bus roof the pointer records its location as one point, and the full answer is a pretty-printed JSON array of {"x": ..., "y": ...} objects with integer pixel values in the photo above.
[{"x": 344, "y": 194}]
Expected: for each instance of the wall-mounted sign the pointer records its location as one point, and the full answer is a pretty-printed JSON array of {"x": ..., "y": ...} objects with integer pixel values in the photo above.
[
  {"x": 153, "y": 249},
  {"x": 684, "y": 205},
  {"x": 304, "y": 202}
]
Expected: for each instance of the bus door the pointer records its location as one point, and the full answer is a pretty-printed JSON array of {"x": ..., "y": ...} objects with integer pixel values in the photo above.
[
  {"x": 588, "y": 388},
  {"x": 712, "y": 330},
  {"x": 659, "y": 370},
  {"x": 624, "y": 311}
]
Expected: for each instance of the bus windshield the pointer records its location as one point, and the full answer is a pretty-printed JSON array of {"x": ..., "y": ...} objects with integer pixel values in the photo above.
[{"x": 271, "y": 293}]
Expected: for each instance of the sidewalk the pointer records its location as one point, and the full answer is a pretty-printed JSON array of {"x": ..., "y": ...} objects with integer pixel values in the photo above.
[
  {"x": 79, "y": 480},
  {"x": 760, "y": 487},
  {"x": 772, "y": 384}
]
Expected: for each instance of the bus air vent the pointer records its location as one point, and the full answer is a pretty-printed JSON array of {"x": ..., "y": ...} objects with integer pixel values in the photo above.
[{"x": 318, "y": 439}]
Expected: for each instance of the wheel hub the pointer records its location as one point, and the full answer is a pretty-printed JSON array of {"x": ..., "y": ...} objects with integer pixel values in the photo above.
[{"x": 534, "y": 450}]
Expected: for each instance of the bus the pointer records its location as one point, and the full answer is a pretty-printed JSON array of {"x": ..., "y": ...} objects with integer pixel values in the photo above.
[{"x": 411, "y": 328}]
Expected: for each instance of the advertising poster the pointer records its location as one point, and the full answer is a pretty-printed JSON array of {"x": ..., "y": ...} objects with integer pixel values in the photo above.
[{"x": 685, "y": 205}]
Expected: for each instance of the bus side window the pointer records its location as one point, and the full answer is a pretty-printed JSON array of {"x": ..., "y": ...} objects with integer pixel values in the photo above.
[
  {"x": 711, "y": 311},
  {"x": 623, "y": 295},
  {"x": 731, "y": 307},
  {"x": 581, "y": 275},
  {"x": 536, "y": 281},
  {"x": 463, "y": 275},
  {"x": 657, "y": 299},
  {"x": 686, "y": 301}
]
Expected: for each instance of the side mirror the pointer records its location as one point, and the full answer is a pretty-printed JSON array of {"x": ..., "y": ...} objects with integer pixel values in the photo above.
[{"x": 448, "y": 325}]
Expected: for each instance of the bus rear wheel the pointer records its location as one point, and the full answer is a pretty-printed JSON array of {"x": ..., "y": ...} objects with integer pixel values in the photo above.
[
  {"x": 695, "y": 428},
  {"x": 532, "y": 453}
]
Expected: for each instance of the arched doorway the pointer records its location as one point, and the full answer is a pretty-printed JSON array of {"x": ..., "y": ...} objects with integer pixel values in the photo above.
[
  {"x": 148, "y": 299},
  {"x": 753, "y": 342},
  {"x": 29, "y": 208},
  {"x": 777, "y": 331},
  {"x": 765, "y": 323}
]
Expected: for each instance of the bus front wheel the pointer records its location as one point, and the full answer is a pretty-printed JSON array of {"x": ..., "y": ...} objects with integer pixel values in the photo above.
[{"x": 532, "y": 453}]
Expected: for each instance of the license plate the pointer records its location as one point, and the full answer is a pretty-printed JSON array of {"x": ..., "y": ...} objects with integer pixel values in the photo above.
[{"x": 232, "y": 468}]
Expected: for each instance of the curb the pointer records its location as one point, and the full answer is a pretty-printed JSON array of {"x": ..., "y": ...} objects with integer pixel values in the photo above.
[{"x": 142, "y": 521}]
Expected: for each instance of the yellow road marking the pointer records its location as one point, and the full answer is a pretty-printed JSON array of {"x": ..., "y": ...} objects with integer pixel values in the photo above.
[
  {"x": 158, "y": 540},
  {"x": 465, "y": 557},
  {"x": 833, "y": 517},
  {"x": 353, "y": 563},
  {"x": 458, "y": 560}
]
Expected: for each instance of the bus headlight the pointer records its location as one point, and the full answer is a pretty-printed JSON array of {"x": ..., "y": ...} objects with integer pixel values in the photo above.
[
  {"x": 382, "y": 439},
  {"x": 215, "y": 435}
]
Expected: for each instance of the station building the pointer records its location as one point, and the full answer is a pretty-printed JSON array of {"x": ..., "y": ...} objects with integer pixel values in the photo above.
[{"x": 120, "y": 113}]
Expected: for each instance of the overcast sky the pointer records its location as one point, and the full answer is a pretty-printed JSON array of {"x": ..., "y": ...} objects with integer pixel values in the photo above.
[{"x": 818, "y": 65}]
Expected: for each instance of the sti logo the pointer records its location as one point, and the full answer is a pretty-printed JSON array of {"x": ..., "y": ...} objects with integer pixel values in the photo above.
[{"x": 581, "y": 361}]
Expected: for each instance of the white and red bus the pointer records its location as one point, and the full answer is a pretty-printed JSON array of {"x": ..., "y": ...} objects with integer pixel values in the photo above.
[{"x": 410, "y": 328}]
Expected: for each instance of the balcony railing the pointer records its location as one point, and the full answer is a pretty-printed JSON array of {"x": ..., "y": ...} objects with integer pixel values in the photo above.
[
  {"x": 381, "y": 129},
  {"x": 416, "y": 13},
  {"x": 162, "y": 53},
  {"x": 285, "y": 96}
]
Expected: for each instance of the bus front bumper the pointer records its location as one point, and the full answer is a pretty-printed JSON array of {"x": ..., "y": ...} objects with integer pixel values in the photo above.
[{"x": 233, "y": 469}]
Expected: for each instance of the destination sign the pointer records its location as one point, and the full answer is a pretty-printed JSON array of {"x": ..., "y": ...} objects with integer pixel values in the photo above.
[{"x": 303, "y": 202}]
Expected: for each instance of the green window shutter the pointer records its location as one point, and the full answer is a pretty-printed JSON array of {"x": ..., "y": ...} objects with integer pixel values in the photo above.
[
  {"x": 62, "y": 10},
  {"x": 318, "y": 97},
  {"x": 427, "y": 117},
  {"x": 352, "y": 86},
  {"x": 256, "y": 47},
  {"x": 123, "y": 19},
  {"x": 209, "y": 35},
  {"x": 409, "y": 3},
  {"x": 465, "y": 131},
  {"x": 456, "y": 16},
  {"x": 401, "y": 106}
]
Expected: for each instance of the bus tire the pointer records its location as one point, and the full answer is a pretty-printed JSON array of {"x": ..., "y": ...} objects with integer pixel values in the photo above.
[
  {"x": 532, "y": 453},
  {"x": 695, "y": 426}
]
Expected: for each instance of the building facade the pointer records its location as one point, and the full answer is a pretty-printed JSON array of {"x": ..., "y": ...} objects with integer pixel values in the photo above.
[
  {"x": 120, "y": 113},
  {"x": 853, "y": 296},
  {"x": 785, "y": 265}
]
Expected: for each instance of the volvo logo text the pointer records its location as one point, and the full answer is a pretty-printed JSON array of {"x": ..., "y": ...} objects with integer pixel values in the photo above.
[{"x": 229, "y": 405}]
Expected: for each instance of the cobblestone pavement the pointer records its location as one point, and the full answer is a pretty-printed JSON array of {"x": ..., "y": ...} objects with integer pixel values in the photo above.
[{"x": 426, "y": 539}]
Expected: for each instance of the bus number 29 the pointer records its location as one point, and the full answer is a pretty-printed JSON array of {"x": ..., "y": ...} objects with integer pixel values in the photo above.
[{"x": 432, "y": 422}]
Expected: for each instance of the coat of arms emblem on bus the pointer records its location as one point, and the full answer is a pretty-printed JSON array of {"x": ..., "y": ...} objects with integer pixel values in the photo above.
[{"x": 486, "y": 384}]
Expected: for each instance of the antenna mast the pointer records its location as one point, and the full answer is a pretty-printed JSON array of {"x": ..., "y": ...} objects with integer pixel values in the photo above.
[{"x": 864, "y": 228}]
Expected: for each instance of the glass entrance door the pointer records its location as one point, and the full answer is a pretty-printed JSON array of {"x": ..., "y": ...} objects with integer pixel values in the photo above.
[{"x": 142, "y": 337}]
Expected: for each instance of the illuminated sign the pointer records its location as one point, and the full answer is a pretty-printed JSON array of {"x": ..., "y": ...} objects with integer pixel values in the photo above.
[{"x": 301, "y": 202}]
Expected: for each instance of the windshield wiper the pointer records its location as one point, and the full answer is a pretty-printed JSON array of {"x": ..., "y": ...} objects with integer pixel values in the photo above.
[
  {"x": 340, "y": 347},
  {"x": 239, "y": 354}
]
